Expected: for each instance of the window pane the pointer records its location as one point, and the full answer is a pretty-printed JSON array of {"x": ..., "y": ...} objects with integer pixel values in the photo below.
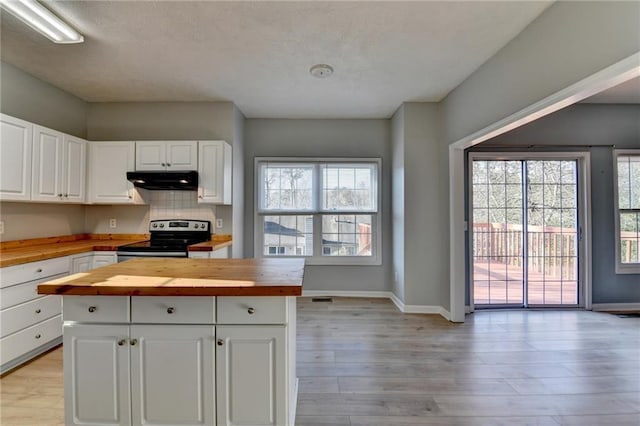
[
  {"x": 629, "y": 181},
  {"x": 346, "y": 235},
  {"x": 349, "y": 187},
  {"x": 288, "y": 235},
  {"x": 629, "y": 237},
  {"x": 287, "y": 186}
]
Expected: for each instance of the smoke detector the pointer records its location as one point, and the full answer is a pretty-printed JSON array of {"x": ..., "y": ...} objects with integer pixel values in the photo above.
[{"x": 321, "y": 70}]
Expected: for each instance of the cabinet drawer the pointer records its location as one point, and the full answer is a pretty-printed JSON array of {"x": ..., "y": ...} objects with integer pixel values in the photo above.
[
  {"x": 32, "y": 271},
  {"x": 96, "y": 308},
  {"x": 27, "y": 314},
  {"x": 252, "y": 310},
  {"x": 16, "y": 344},
  {"x": 20, "y": 293},
  {"x": 173, "y": 310}
]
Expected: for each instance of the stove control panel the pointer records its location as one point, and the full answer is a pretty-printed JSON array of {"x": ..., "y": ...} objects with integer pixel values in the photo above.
[{"x": 177, "y": 225}]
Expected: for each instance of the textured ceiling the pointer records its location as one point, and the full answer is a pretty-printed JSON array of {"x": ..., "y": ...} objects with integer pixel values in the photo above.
[{"x": 258, "y": 54}]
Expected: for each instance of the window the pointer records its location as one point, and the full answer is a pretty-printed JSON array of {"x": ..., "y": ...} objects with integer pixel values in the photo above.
[
  {"x": 324, "y": 210},
  {"x": 627, "y": 204}
]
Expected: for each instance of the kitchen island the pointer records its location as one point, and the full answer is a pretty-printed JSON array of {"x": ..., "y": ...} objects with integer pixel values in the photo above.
[{"x": 181, "y": 341}]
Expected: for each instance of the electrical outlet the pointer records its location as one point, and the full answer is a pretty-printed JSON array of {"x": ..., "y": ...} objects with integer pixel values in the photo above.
[
  {"x": 1, "y": 226},
  {"x": 219, "y": 223},
  {"x": 113, "y": 223}
]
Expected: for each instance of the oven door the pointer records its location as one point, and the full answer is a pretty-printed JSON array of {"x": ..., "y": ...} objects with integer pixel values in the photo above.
[{"x": 127, "y": 255}]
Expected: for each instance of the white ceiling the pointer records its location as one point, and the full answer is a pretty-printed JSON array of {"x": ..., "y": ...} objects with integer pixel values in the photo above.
[{"x": 258, "y": 54}]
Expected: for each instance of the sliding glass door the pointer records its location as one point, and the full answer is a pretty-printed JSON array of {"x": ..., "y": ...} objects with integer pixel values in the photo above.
[{"x": 525, "y": 231}]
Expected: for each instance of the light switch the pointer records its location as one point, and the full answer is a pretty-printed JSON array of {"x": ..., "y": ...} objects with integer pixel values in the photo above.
[{"x": 219, "y": 223}]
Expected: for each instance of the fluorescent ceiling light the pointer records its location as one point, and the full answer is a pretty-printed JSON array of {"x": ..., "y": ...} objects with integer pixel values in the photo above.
[{"x": 42, "y": 20}]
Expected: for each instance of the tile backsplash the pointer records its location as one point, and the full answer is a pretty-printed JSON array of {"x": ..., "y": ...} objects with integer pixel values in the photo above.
[{"x": 179, "y": 205}]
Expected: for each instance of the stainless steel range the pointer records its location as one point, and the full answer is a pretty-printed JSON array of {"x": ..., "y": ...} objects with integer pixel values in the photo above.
[{"x": 169, "y": 238}]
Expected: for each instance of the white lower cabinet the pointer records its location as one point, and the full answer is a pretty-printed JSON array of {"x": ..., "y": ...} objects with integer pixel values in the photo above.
[
  {"x": 166, "y": 372},
  {"x": 133, "y": 366},
  {"x": 172, "y": 380},
  {"x": 96, "y": 375},
  {"x": 250, "y": 389}
]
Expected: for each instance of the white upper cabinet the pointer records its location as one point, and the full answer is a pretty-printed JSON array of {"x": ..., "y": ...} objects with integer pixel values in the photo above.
[
  {"x": 214, "y": 172},
  {"x": 15, "y": 158},
  {"x": 109, "y": 163},
  {"x": 74, "y": 170},
  {"x": 167, "y": 155},
  {"x": 59, "y": 166}
]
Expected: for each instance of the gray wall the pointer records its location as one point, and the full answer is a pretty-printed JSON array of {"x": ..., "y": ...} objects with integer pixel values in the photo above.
[
  {"x": 38, "y": 220},
  {"x": 592, "y": 124},
  {"x": 165, "y": 121},
  {"x": 566, "y": 43},
  {"x": 398, "y": 199},
  {"x": 24, "y": 96},
  {"x": 420, "y": 223},
  {"x": 238, "y": 184},
  {"x": 324, "y": 138}
]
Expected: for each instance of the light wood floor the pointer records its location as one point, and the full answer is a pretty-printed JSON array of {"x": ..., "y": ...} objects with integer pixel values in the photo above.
[{"x": 362, "y": 363}]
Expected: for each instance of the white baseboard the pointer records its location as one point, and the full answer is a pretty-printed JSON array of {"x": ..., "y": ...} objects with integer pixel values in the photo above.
[
  {"x": 622, "y": 307},
  {"x": 407, "y": 309}
]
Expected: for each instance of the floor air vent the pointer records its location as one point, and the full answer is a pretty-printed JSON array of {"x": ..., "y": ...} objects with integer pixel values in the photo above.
[{"x": 322, "y": 299}]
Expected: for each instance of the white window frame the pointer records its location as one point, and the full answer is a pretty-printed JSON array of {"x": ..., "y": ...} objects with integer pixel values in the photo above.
[
  {"x": 317, "y": 258},
  {"x": 621, "y": 268}
]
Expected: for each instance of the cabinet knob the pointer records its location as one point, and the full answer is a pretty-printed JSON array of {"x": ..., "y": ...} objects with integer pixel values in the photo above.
[
  {"x": 38, "y": 311},
  {"x": 39, "y": 270},
  {"x": 130, "y": 197},
  {"x": 38, "y": 336},
  {"x": 171, "y": 310},
  {"x": 60, "y": 195},
  {"x": 163, "y": 164},
  {"x": 134, "y": 342},
  {"x": 251, "y": 311},
  {"x": 92, "y": 309},
  {"x": 168, "y": 164},
  {"x": 220, "y": 342},
  {"x": 121, "y": 342},
  {"x": 199, "y": 196}
]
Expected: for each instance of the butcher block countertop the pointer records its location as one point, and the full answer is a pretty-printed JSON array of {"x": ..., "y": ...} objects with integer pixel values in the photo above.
[
  {"x": 25, "y": 251},
  {"x": 185, "y": 277}
]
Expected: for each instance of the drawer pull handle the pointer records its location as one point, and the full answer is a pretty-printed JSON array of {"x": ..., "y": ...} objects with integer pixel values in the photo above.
[
  {"x": 121, "y": 342},
  {"x": 92, "y": 309},
  {"x": 134, "y": 342},
  {"x": 38, "y": 311},
  {"x": 39, "y": 270},
  {"x": 251, "y": 311},
  {"x": 220, "y": 342},
  {"x": 171, "y": 310},
  {"x": 38, "y": 336}
]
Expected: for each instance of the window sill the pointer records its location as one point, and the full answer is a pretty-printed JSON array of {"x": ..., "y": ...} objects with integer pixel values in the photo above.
[
  {"x": 332, "y": 261},
  {"x": 625, "y": 268}
]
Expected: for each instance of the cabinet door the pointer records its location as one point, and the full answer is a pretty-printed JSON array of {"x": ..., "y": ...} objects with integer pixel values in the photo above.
[
  {"x": 214, "y": 172},
  {"x": 74, "y": 169},
  {"x": 182, "y": 155},
  {"x": 81, "y": 263},
  {"x": 104, "y": 260},
  {"x": 15, "y": 158},
  {"x": 109, "y": 163},
  {"x": 251, "y": 375},
  {"x": 96, "y": 375},
  {"x": 173, "y": 380},
  {"x": 151, "y": 155},
  {"x": 47, "y": 165}
]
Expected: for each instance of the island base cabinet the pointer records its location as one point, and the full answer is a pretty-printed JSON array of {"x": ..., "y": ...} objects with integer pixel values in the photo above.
[
  {"x": 139, "y": 375},
  {"x": 251, "y": 386},
  {"x": 96, "y": 375},
  {"x": 173, "y": 377}
]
